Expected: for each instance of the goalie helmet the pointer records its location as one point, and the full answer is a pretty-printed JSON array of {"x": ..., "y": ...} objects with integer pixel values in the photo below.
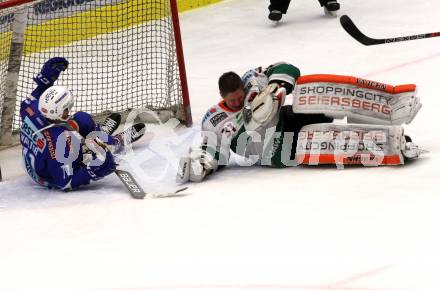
[{"x": 54, "y": 101}]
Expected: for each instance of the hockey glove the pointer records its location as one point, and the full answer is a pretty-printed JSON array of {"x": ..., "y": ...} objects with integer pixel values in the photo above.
[
  {"x": 50, "y": 71},
  {"x": 263, "y": 107},
  {"x": 251, "y": 95},
  {"x": 106, "y": 168},
  {"x": 201, "y": 165},
  {"x": 289, "y": 87},
  {"x": 196, "y": 165}
]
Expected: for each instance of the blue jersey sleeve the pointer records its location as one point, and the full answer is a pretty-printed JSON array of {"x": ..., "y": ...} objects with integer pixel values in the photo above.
[
  {"x": 65, "y": 168},
  {"x": 83, "y": 123}
]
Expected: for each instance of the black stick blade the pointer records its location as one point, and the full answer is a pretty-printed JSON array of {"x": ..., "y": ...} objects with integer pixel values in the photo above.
[{"x": 351, "y": 29}]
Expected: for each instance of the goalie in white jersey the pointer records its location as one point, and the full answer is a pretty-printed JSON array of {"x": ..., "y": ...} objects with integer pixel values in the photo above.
[
  {"x": 223, "y": 125},
  {"x": 251, "y": 121}
]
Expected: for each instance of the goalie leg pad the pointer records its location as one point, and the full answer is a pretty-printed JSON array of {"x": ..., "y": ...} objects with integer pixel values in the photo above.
[
  {"x": 369, "y": 145},
  {"x": 361, "y": 101}
]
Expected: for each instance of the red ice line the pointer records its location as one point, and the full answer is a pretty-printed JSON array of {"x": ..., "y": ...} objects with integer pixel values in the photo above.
[
  {"x": 331, "y": 286},
  {"x": 402, "y": 65},
  {"x": 265, "y": 287},
  {"x": 357, "y": 277}
]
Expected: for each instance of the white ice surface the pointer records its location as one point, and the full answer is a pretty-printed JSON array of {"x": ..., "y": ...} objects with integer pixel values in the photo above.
[{"x": 251, "y": 228}]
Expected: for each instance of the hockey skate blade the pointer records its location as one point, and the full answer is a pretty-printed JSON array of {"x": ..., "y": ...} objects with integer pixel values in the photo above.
[
  {"x": 330, "y": 13},
  {"x": 275, "y": 23},
  {"x": 176, "y": 193}
]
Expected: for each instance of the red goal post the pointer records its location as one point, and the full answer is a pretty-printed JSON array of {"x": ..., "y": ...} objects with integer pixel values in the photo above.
[{"x": 124, "y": 55}]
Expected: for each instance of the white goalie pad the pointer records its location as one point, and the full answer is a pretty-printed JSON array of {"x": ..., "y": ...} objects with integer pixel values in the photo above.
[
  {"x": 369, "y": 145},
  {"x": 262, "y": 109},
  {"x": 361, "y": 101}
]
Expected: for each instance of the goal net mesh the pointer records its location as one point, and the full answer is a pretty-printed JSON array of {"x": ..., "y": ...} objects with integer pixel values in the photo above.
[{"x": 121, "y": 54}]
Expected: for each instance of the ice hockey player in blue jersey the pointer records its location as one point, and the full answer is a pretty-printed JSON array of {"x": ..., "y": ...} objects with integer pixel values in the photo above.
[{"x": 53, "y": 139}]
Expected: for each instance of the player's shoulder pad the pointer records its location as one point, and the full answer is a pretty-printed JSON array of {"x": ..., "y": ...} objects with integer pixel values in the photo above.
[
  {"x": 29, "y": 109},
  {"x": 214, "y": 116}
]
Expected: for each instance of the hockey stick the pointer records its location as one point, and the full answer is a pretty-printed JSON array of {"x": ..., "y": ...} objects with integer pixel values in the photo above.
[
  {"x": 136, "y": 191},
  {"x": 351, "y": 29},
  {"x": 131, "y": 184}
]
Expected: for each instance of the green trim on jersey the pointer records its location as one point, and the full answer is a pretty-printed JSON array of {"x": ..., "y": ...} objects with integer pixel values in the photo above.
[
  {"x": 279, "y": 143},
  {"x": 234, "y": 142},
  {"x": 284, "y": 71}
]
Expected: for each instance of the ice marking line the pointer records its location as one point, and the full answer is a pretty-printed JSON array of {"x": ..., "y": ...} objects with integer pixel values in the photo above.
[
  {"x": 358, "y": 276},
  {"x": 401, "y": 65},
  {"x": 331, "y": 286},
  {"x": 250, "y": 287}
]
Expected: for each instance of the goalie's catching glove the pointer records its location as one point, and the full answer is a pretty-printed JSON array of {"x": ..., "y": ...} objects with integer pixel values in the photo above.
[{"x": 259, "y": 110}]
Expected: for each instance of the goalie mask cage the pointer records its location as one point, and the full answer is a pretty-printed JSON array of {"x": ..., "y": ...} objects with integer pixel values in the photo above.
[{"x": 123, "y": 55}]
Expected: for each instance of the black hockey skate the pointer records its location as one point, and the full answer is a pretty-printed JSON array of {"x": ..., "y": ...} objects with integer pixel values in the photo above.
[
  {"x": 275, "y": 15},
  {"x": 111, "y": 123},
  {"x": 331, "y": 7},
  {"x": 129, "y": 136}
]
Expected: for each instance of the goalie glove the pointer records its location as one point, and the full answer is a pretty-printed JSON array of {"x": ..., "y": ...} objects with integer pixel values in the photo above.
[
  {"x": 196, "y": 166},
  {"x": 253, "y": 92},
  {"x": 259, "y": 111}
]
